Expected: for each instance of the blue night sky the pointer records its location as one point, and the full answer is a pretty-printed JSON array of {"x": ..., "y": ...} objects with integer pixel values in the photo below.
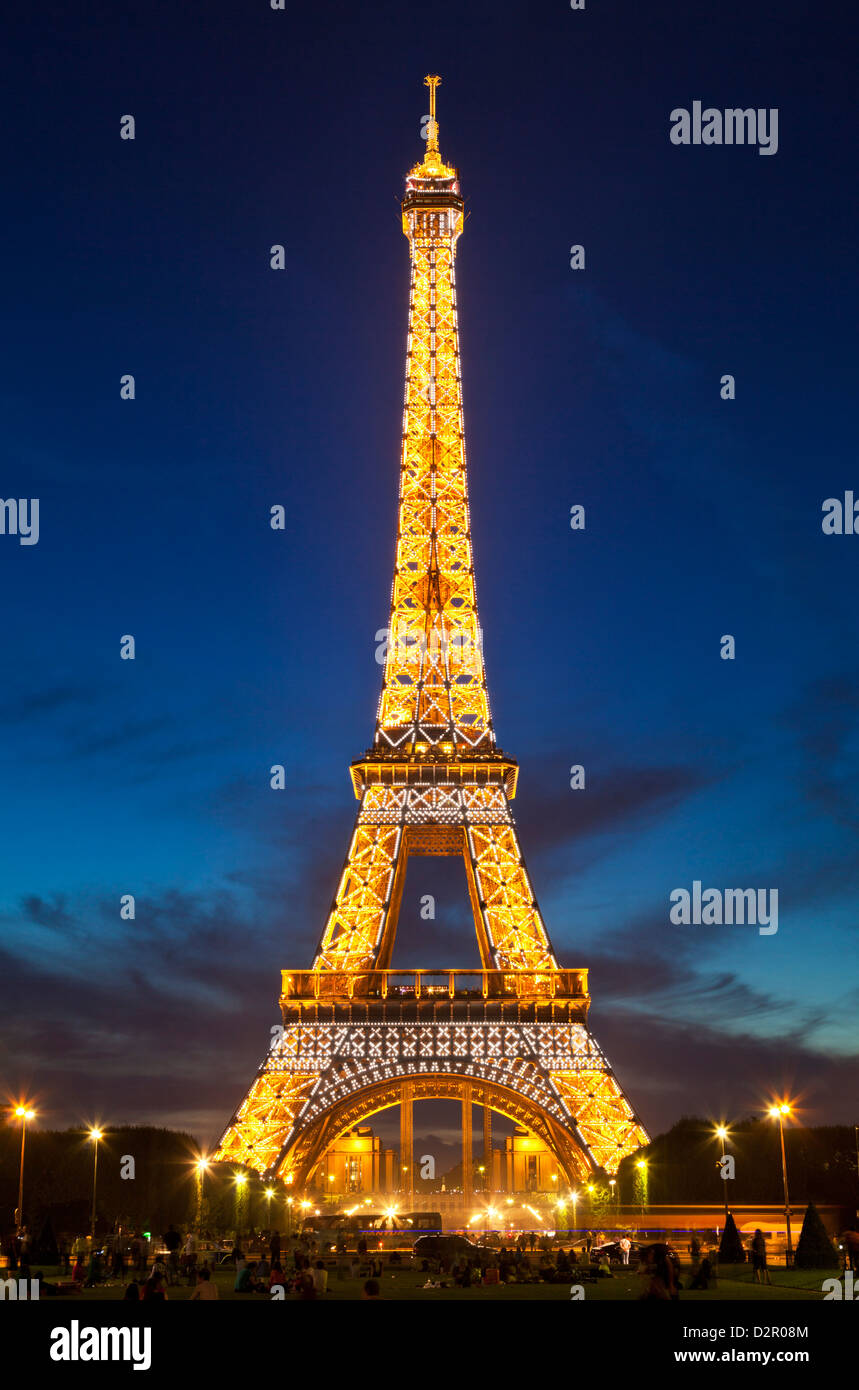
[{"x": 255, "y": 647}]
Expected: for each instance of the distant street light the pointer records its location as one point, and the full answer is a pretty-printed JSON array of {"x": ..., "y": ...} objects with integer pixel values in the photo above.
[
  {"x": 95, "y": 1135},
  {"x": 23, "y": 1114},
  {"x": 722, "y": 1134},
  {"x": 202, "y": 1167},
  {"x": 641, "y": 1165},
  {"x": 778, "y": 1112},
  {"x": 241, "y": 1181}
]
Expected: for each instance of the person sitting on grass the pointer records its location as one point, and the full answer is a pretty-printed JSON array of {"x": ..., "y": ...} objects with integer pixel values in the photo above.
[
  {"x": 657, "y": 1269},
  {"x": 246, "y": 1281},
  {"x": 154, "y": 1290},
  {"x": 206, "y": 1290},
  {"x": 132, "y": 1293},
  {"x": 276, "y": 1276},
  {"x": 372, "y": 1290},
  {"x": 702, "y": 1275}
]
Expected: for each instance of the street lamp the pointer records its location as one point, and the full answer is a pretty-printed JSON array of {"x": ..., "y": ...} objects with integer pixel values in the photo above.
[
  {"x": 641, "y": 1165},
  {"x": 778, "y": 1112},
  {"x": 241, "y": 1180},
  {"x": 23, "y": 1114},
  {"x": 202, "y": 1167},
  {"x": 612, "y": 1182},
  {"x": 95, "y": 1135},
  {"x": 722, "y": 1134}
]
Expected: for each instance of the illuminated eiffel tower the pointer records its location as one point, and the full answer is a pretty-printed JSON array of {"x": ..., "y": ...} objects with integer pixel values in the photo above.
[{"x": 357, "y": 1036}]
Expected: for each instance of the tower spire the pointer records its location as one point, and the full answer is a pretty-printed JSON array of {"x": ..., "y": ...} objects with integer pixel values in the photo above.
[{"x": 432, "y": 131}]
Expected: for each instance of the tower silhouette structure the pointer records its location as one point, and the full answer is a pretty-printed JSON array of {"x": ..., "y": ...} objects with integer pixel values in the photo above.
[{"x": 358, "y": 1036}]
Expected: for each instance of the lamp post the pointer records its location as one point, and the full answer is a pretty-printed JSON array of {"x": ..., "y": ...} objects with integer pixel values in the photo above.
[
  {"x": 202, "y": 1166},
  {"x": 641, "y": 1165},
  {"x": 612, "y": 1182},
  {"x": 23, "y": 1114},
  {"x": 722, "y": 1134},
  {"x": 95, "y": 1135},
  {"x": 778, "y": 1112},
  {"x": 241, "y": 1184},
  {"x": 574, "y": 1198}
]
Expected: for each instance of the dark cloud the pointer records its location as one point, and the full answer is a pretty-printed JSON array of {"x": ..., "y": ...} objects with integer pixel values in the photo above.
[
  {"x": 671, "y": 1067},
  {"x": 824, "y": 721},
  {"x": 32, "y": 705},
  {"x": 614, "y": 799}
]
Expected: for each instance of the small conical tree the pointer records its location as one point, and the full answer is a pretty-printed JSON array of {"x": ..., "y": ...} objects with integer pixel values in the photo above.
[
  {"x": 731, "y": 1250},
  {"x": 815, "y": 1250}
]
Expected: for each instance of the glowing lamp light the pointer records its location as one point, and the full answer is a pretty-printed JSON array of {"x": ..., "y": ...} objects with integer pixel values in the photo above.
[{"x": 96, "y": 1134}]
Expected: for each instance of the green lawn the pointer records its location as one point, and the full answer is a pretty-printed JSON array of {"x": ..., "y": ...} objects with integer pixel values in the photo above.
[{"x": 735, "y": 1284}]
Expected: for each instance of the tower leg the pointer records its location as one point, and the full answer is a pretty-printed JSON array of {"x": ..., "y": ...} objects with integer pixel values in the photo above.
[
  {"x": 466, "y": 1141},
  {"x": 487, "y": 1148},
  {"x": 407, "y": 1141}
]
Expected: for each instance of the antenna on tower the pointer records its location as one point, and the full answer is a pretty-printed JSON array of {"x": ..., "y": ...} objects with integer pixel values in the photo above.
[{"x": 432, "y": 132}]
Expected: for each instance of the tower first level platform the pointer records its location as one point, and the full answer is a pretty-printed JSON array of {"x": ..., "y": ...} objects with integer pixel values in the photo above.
[{"x": 354, "y": 1044}]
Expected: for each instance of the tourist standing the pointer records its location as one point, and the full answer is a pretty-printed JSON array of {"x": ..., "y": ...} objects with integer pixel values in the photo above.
[{"x": 759, "y": 1258}]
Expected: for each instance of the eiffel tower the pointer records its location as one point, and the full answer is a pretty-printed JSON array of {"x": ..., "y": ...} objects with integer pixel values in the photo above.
[{"x": 357, "y": 1035}]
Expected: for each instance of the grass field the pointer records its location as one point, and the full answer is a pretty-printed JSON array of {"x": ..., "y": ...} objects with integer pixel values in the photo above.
[{"x": 735, "y": 1284}]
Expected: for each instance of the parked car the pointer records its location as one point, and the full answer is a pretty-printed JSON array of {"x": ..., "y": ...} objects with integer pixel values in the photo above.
[
  {"x": 611, "y": 1253},
  {"x": 441, "y": 1247}
]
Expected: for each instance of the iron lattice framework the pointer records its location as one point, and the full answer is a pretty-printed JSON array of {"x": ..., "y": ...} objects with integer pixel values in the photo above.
[{"x": 357, "y": 1036}]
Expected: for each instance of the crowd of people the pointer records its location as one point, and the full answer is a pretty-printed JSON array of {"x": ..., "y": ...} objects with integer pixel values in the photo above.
[{"x": 295, "y": 1266}]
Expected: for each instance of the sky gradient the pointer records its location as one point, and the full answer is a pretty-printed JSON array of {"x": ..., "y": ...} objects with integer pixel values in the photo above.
[{"x": 255, "y": 647}]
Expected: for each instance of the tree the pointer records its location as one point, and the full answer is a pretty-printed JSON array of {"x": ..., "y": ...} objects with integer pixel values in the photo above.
[
  {"x": 815, "y": 1250},
  {"x": 731, "y": 1250}
]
